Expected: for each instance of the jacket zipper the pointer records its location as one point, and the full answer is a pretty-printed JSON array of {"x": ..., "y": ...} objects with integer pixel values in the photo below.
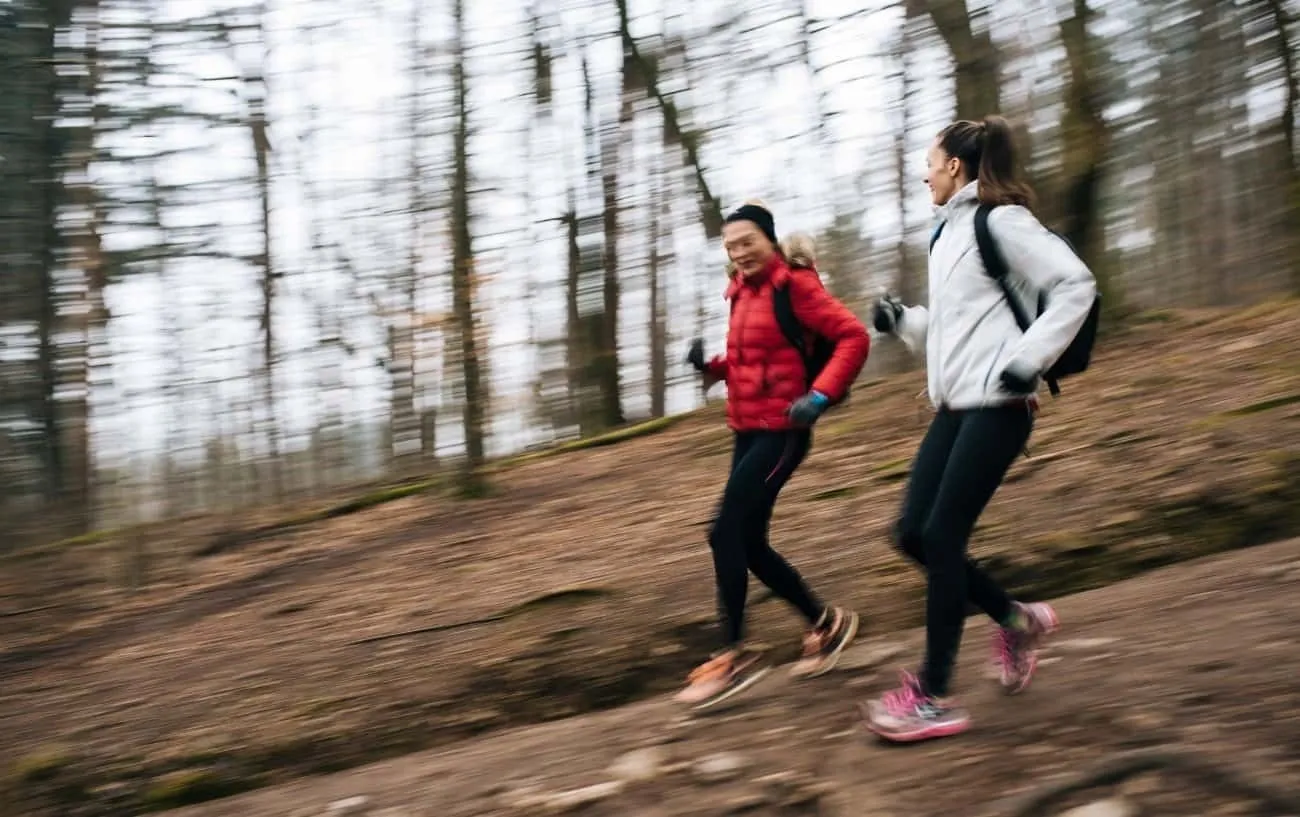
[
  {"x": 740, "y": 334},
  {"x": 936, "y": 310},
  {"x": 936, "y": 314},
  {"x": 993, "y": 365}
]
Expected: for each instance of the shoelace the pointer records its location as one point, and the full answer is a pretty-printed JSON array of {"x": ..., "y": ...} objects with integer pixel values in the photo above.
[
  {"x": 1005, "y": 642},
  {"x": 816, "y": 639},
  {"x": 1012, "y": 643},
  {"x": 906, "y": 698},
  {"x": 710, "y": 669},
  {"x": 812, "y": 644}
]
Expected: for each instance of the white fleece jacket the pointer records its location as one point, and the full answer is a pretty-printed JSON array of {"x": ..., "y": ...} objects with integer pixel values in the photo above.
[{"x": 969, "y": 334}]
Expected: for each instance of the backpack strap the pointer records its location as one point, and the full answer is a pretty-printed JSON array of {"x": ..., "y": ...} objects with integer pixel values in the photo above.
[
  {"x": 783, "y": 308},
  {"x": 936, "y": 232},
  {"x": 996, "y": 266}
]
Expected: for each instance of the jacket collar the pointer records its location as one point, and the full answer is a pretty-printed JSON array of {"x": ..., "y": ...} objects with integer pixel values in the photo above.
[
  {"x": 775, "y": 271},
  {"x": 967, "y": 195}
]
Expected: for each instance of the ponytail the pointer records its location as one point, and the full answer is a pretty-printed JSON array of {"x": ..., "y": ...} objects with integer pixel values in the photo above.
[
  {"x": 987, "y": 153},
  {"x": 999, "y": 181}
]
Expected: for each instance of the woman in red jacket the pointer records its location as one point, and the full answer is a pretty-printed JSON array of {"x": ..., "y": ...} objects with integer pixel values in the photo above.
[{"x": 772, "y": 403}]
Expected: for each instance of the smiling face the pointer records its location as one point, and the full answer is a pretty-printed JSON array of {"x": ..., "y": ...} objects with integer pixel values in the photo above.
[
  {"x": 944, "y": 174},
  {"x": 747, "y": 247}
]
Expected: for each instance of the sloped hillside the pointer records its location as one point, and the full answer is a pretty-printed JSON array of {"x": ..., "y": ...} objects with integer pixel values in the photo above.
[{"x": 585, "y": 581}]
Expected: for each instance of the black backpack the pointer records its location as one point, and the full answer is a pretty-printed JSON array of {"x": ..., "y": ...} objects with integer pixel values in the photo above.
[
  {"x": 814, "y": 358},
  {"x": 1078, "y": 354}
]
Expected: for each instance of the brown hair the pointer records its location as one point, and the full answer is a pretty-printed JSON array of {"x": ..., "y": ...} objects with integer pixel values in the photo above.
[{"x": 987, "y": 153}]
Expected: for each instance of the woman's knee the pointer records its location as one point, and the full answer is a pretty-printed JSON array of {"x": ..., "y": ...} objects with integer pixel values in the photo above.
[
  {"x": 907, "y": 540},
  {"x": 724, "y": 534},
  {"x": 942, "y": 549}
]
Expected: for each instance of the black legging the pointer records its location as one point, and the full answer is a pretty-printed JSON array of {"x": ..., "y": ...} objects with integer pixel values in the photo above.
[
  {"x": 761, "y": 463},
  {"x": 959, "y": 466}
]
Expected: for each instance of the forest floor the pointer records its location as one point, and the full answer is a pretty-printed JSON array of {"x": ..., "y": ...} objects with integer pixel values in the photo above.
[
  {"x": 259, "y": 652},
  {"x": 1209, "y": 677}
]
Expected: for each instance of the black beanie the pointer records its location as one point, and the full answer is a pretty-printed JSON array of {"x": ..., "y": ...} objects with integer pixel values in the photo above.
[{"x": 759, "y": 215}]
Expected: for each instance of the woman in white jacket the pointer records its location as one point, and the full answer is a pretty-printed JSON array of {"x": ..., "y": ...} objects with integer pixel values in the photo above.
[{"x": 983, "y": 374}]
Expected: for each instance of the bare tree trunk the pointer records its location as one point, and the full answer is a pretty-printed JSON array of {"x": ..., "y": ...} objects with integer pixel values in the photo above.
[
  {"x": 98, "y": 362},
  {"x": 825, "y": 142},
  {"x": 589, "y": 362},
  {"x": 1171, "y": 285},
  {"x": 257, "y": 126},
  {"x": 909, "y": 282},
  {"x": 53, "y": 148},
  {"x": 909, "y": 278},
  {"x": 975, "y": 56},
  {"x": 1214, "y": 65},
  {"x": 647, "y": 77},
  {"x": 1285, "y": 24},
  {"x": 573, "y": 346},
  {"x": 429, "y": 433},
  {"x": 88, "y": 263},
  {"x": 1181, "y": 120},
  {"x": 658, "y": 341},
  {"x": 472, "y": 480},
  {"x": 1085, "y": 144},
  {"x": 539, "y": 339},
  {"x": 607, "y": 357},
  {"x": 407, "y": 445}
]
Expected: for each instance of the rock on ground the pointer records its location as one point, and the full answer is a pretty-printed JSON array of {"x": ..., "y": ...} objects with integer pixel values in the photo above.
[{"x": 1111, "y": 807}]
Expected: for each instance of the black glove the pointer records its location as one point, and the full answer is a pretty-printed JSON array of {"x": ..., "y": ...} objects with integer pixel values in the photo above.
[
  {"x": 1018, "y": 379},
  {"x": 695, "y": 356},
  {"x": 887, "y": 313}
]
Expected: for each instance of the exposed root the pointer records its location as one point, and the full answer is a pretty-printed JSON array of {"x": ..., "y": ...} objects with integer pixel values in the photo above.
[
  {"x": 568, "y": 595},
  {"x": 1197, "y": 771},
  {"x": 29, "y": 610}
]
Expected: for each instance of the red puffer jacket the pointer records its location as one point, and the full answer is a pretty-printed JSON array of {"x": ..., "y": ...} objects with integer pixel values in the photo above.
[{"x": 763, "y": 372}]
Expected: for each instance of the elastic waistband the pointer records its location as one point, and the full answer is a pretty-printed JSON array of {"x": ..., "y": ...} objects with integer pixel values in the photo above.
[{"x": 1029, "y": 404}]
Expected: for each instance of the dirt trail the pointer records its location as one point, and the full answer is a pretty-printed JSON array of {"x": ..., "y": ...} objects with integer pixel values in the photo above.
[{"x": 1201, "y": 657}]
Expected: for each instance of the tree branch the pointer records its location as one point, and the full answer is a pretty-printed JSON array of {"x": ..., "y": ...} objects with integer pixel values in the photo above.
[{"x": 710, "y": 206}]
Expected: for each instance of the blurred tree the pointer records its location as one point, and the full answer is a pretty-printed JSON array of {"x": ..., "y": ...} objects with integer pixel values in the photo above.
[
  {"x": 31, "y": 160},
  {"x": 975, "y": 55},
  {"x": 1283, "y": 21},
  {"x": 257, "y": 93},
  {"x": 1085, "y": 147},
  {"x": 660, "y": 213},
  {"x": 472, "y": 478}
]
